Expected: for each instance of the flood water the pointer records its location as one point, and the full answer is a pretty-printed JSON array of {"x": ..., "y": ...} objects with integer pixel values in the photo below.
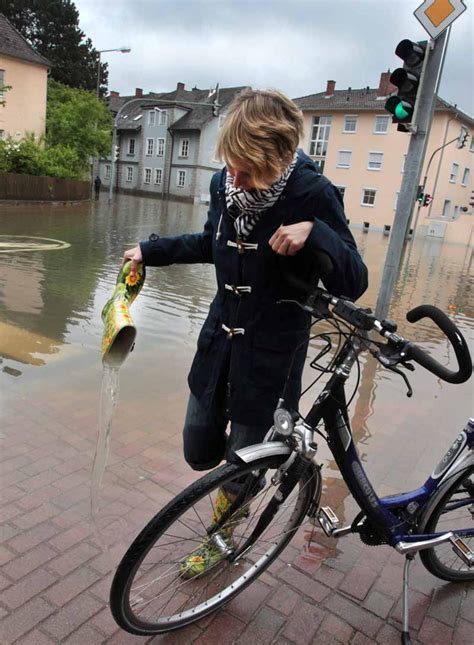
[{"x": 50, "y": 329}]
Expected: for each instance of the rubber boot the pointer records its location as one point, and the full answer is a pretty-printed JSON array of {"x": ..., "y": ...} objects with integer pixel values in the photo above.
[{"x": 119, "y": 329}]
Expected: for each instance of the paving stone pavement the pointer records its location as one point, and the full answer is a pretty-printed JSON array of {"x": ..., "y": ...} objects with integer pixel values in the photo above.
[{"x": 56, "y": 567}]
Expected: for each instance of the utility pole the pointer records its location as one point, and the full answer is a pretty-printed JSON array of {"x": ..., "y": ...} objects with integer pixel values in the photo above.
[{"x": 419, "y": 130}]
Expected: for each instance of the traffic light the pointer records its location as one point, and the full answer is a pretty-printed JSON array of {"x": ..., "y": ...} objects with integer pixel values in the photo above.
[
  {"x": 419, "y": 195},
  {"x": 427, "y": 199},
  {"x": 407, "y": 78},
  {"x": 462, "y": 139},
  {"x": 117, "y": 153}
]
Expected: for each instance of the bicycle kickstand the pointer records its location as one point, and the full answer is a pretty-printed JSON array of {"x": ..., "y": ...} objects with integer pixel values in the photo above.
[{"x": 406, "y": 640}]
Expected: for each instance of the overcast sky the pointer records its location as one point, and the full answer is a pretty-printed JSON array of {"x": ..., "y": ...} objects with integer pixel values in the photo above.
[{"x": 293, "y": 45}]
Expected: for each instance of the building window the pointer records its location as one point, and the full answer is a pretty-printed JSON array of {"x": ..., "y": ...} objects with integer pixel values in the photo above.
[
  {"x": 350, "y": 123},
  {"x": 184, "y": 148},
  {"x": 107, "y": 171},
  {"x": 181, "y": 178},
  {"x": 150, "y": 142},
  {"x": 368, "y": 197},
  {"x": 158, "y": 175},
  {"x": 404, "y": 160},
  {"x": 396, "y": 201},
  {"x": 160, "y": 147},
  {"x": 147, "y": 176},
  {"x": 320, "y": 136},
  {"x": 471, "y": 147},
  {"x": 381, "y": 124},
  {"x": 129, "y": 173},
  {"x": 163, "y": 117},
  {"x": 2, "y": 82},
  {"x": 131, "y": 146},
  {"x": 454, "y": 173},
  {"x": 465, "y": 175},
  {"x": 446, "y": 208},
  {"x": 375, "y": 160},
  {"x": 344, "y": 158},
  {"x": 342, "y": 190},
  {"x": 151, "y": 117}
]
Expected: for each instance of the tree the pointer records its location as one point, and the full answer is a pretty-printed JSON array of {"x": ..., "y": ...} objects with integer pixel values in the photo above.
[
  {"x": 75, "y": 118},
  {"x": 78, "y": 127},
  {"x": 52, "y": 29}
]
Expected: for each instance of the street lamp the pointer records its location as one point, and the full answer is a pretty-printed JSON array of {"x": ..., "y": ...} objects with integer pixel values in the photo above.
[{"x": 123, "y": 50}]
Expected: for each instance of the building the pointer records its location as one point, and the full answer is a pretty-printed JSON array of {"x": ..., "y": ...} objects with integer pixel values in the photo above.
[
  {"x": 25, "y": 73},
  {"x": 351, "y": 136},
  {"x": 167, "y": 141}
]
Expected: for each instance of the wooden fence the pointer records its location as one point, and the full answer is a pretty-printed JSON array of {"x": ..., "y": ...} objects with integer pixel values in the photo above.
[{"x": 42, "y": 189}]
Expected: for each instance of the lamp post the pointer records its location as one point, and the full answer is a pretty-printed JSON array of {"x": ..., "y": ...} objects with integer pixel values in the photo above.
[{"x": 123, "y": 50}]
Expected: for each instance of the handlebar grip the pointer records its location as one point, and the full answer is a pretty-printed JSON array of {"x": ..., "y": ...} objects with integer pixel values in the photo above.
[{"x": 456, "y": 339}]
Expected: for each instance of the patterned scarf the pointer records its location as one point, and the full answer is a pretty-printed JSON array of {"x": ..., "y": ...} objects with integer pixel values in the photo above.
[{"x": 246, "y": 206}]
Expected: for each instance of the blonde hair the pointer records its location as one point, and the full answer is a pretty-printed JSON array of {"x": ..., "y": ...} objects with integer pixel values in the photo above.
[{"x": 262, "y": 129}]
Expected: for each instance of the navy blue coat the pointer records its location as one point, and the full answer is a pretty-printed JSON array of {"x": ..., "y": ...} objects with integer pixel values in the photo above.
[{"x": 244, "y": 370}]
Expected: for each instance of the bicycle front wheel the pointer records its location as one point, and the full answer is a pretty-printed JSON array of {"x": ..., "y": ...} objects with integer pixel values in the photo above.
[
  {"x": 151, "y": 594},
  {"x": 454, "y": 512}
]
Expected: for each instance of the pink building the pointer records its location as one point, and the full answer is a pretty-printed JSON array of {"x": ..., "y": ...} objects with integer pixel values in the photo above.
[
  {"x": 25, "y": 73},
  {"x": 359, "y": 149}
]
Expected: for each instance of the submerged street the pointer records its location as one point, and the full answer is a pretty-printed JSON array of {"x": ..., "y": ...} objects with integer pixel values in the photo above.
[{"x": 58, "y": 266}]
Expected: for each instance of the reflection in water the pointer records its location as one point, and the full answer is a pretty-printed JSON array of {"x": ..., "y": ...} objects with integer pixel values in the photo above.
[{"x": 23, "y": 346}]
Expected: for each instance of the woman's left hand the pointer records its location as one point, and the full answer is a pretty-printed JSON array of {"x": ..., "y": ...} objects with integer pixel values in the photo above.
[{"x": 288, "y": 240}]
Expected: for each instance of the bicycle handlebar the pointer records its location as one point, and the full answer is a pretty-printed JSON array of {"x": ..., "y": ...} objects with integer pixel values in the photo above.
[
  {"x": 454, "y": 336},
  {"x": 363, "y": 318}
]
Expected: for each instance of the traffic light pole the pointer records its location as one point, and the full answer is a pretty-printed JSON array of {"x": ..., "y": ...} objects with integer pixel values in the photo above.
[
  {"x": 412, "y": 173},
  {"x": 425, "y": 181}
]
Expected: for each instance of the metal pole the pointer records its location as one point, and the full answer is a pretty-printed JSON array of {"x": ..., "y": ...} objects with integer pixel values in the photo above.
[
  {"x": 411, "y": 177},
  {"x": 112, "y": 158},
  {"x": 98, "y": 76},
  {"x": 425, "y": 180}
]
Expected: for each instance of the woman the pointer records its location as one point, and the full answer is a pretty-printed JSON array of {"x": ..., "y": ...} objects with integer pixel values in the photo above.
[{"x": 268, "y": 203}]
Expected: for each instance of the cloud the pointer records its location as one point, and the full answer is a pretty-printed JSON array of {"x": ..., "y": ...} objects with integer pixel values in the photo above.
[{"x": 293, "y": 45}]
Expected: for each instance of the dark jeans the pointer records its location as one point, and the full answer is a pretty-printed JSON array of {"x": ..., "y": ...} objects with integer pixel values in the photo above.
[{"x": 206, "y": 442}]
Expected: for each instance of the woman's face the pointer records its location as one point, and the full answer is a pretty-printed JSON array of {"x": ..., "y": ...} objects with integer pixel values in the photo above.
[{"x": 242, "y": 175}]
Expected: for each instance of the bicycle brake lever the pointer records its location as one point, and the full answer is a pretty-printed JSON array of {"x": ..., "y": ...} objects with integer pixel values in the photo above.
[{"x": 404, "y": 377}]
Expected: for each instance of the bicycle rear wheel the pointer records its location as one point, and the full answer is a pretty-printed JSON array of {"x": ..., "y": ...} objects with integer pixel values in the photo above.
[
  {"x": 454, "y": 512},
  {"x": 150, "y": 595}
]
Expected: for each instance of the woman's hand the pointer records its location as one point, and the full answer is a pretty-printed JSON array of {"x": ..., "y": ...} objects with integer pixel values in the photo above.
[
  {"x": 135, "y": 255},
  {"x": 288, "y": 240}
]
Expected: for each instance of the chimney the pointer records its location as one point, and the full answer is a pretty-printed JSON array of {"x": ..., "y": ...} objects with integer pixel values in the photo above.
[
  {"x": 330, "y": 88},
  {"x": 138, "y": 92},
  {"x": 114, "y": 94},
  {"x": 385, "y": 87},
  {"x": 179, "y": 87}
]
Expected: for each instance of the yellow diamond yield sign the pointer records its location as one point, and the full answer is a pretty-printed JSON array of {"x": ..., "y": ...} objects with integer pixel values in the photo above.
[{"x": 436, "y": 15}]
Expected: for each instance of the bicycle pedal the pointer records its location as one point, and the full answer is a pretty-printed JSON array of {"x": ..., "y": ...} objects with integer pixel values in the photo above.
[
  {"x": 462, "y": 550},
  {"x": 328, "y": 520}
]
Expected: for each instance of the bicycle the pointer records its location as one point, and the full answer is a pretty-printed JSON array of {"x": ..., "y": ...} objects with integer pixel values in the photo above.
[{"x": 281, "y": 486}]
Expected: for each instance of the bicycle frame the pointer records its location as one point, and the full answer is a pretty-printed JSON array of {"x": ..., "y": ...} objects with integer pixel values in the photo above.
[{"x": 330, "y": 407}]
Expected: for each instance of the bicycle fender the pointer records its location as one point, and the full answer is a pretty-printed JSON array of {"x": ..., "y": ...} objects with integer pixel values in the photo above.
[
  {"x": 460, "y": 465},
  {"x": 260, "y": 450}
]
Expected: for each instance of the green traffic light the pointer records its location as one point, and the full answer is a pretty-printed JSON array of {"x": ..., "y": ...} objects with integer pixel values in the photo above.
[{"x": 401, "y": 112}]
